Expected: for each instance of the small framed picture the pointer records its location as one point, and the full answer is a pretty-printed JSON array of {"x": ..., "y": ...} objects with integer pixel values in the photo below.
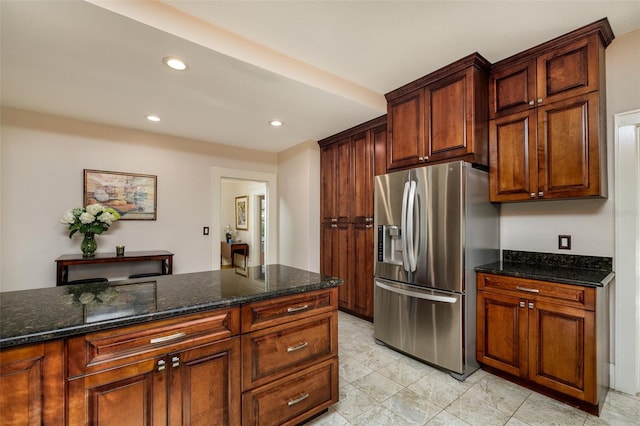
[
  {"x": 242, "y": 212},
  {"x": 130, "y": 194}
]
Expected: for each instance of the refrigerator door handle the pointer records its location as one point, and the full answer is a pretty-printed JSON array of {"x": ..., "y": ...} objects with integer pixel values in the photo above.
[
  {"x": 411, "y": 228},
  {"x": 404, "y": 231},
  {"x": 416, "y": 294}
]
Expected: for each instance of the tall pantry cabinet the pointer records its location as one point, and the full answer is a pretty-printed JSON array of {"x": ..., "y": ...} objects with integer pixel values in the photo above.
[{"x": 348, "y": 163}]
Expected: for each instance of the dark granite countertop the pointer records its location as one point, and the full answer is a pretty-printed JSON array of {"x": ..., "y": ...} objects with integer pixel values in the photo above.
[
  {"x": 30, "y": 316},
  {"x": 590, "y": 271}
]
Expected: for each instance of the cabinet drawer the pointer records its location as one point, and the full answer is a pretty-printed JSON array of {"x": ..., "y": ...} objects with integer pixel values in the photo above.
[
  {"x": 267, "y": 313},
  {"x": 566, "y": 294},
  {"x": 293, "y": 399},
  {"x": 107, "y": 349},
  {"x": 274, "y": 352}
]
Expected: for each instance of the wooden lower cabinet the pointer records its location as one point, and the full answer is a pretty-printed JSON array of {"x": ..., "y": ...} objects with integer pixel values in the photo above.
[
  {"x": 289, "y": 364},
  {"x": 292, "y": 399},
  {"x": 32, "y": 384},
  {"x": 545, "y": 334},
  {"x": 269, "y": 362},
  {"x": 173, "y": 372}
]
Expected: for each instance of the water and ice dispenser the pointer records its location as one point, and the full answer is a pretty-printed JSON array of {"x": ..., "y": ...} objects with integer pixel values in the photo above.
[{"x": 390, "y": 244}]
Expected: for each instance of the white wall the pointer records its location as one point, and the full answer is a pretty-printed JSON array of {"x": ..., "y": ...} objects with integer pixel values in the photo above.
[
  {"x": 299, "y": 186},
  {"x": 535, "y": 226},
  {"x": 43, "y": 158}
]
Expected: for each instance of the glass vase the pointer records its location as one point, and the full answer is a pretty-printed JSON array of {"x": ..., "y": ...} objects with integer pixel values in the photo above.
[{"x": 88, "y": 245}]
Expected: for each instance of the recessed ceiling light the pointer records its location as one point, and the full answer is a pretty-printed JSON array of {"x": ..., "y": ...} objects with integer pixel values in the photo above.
[
  {"x": 175, "y": 63},
  {"x": 276, "y": 123},
  {"x": 153, "y": 118}
]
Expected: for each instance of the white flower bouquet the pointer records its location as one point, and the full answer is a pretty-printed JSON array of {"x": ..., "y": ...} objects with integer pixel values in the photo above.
[{"x": 95, "y": 218}]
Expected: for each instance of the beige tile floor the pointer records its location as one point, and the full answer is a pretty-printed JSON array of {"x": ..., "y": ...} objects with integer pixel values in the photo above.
[{"x": 379, "y": 386}]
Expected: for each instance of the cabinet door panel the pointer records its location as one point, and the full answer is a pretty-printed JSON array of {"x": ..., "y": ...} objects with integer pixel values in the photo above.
[
  {"x": 328, "y": 189},
  {"x": 205, "y": 386},
  {"x": 135, "y": 394},
  {"x": 344, "y": 181},
  {"x": 21, "y": 390},
  {"x": 568, "y": 71},
  {"x": 562, "y": 351},
  {"x": 363, "y": 270},
  {"x": 513, "y": 170},
  {"x": 568, "y": 149},
  {"x": 405, "y": 143},
  {"x": 342, "y": 252},
  {"x": 446, "y": 112},
  {"x": 502, "y": 333},
  {"x": 362, "y": 178},
  {"x": 512, "y": 89},
  {"x": 32, "y": 384}
]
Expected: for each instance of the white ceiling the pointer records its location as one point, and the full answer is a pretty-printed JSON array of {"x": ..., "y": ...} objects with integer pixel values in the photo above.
[{"x": 319, "y": 66}]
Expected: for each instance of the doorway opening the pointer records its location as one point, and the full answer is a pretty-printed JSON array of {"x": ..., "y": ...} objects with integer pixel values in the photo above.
[
  {"x": 627, "y": 253},
  {"x": 254, "y": 194},
  {"x": 262, "y": 214}
]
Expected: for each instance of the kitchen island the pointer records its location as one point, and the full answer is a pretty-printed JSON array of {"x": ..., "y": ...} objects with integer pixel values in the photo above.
[{"x": 238, "y": 346}]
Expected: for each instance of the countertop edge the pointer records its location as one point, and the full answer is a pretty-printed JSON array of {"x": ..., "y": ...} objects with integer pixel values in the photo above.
[
  {"x": 549, "y": 278},
  {"x": 42, "y": 337}
]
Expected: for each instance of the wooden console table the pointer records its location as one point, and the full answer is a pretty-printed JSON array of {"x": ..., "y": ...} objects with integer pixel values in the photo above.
[
  {"x": 229, "y": 249},
  {"x": 66, "y": 260}
]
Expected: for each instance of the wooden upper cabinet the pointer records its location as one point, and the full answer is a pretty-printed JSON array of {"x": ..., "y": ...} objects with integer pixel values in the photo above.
[
  {"x": 512, "y": 89},
  {"x": 513, "y": 157},
  {"x": 405, "y": 127},
  {"x": 362, "y": 177},
  {"x": 336, "y": 165},
  {"x": 571, "y": 160},
  {"x": 566, "y": 71},
  {"x": 547, "y": 134},
  {"x": 440, "y": 117}
]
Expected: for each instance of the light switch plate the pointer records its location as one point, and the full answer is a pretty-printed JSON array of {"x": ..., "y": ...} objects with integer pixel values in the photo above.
[{"x": 564, "y": 242}]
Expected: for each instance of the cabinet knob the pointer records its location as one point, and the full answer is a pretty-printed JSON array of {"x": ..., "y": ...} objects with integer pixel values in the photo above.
[
  {"x": 420, "y": 158},
  {"x": 541, "y": 194},
  {"x": 532, "y": 102},
  {"x": 539, "y": 100},
  {"x": 368, "y": 226},
  {"x": 175, "y": 361},
  {"x": 533, "y": 195},
  {"x": 333, "y": 225},
  {"x": 522, "y": 304},
  {"x": 161, "y": 365},
  {"x": 333, "y": 219},
  {"x": 530, "y": 305}
]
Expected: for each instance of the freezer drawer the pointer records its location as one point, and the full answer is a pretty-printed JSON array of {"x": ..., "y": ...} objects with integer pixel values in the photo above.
[{"x": 424, "y": 323}]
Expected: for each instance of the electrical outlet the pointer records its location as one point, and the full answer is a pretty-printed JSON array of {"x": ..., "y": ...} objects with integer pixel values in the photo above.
[
  {"x": 564, "y": 242},
  {"x": 205, "y": 230}
]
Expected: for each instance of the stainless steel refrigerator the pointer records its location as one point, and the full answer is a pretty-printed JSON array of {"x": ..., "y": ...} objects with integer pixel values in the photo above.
[{"x": 434, "y": 225}]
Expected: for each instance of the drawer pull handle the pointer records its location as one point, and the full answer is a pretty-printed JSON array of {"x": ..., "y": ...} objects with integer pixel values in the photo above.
[
  {"x": 297, "y": 347},
  {"x": 528, "y": 290},
  {"x": 298, "y": 399},
  {"x": 168, "y": 338},
  {"x": 161, "y": 365},
  {"x": 298, "y": 308},
  {"x": 175, "y": 362}
]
